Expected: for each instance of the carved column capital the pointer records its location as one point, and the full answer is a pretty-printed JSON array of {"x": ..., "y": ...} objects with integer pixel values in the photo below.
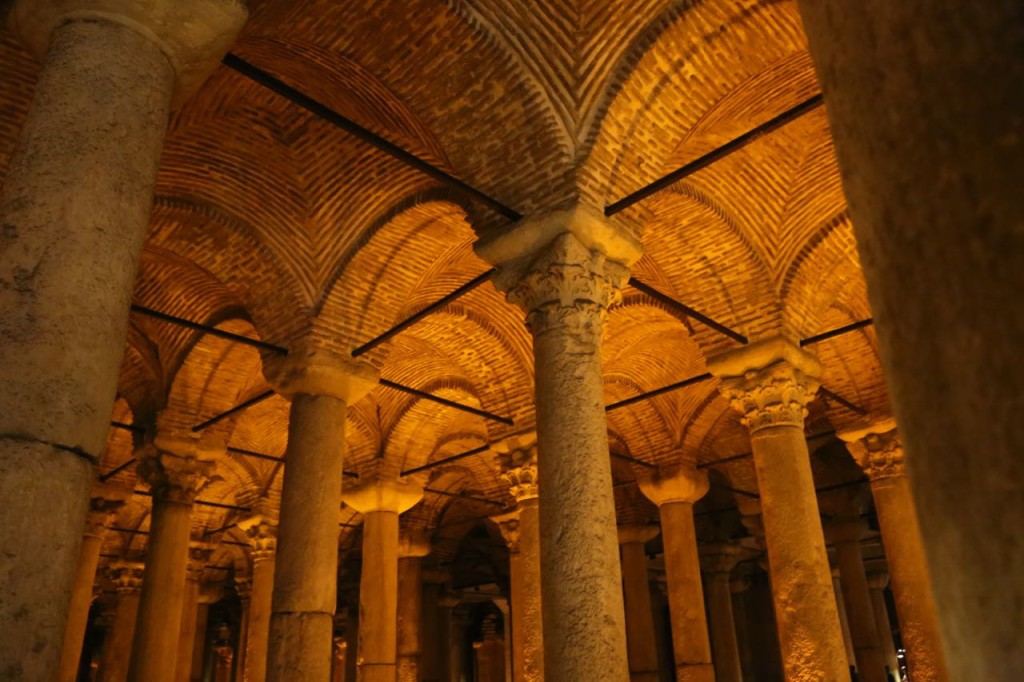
[
  {"x": 769, "y": 382},
  {"x": 193, "y": 34},
  {"x": 199, "y": 554},
  {"x": 243, "y": 587},
  {"x": 383, "y": 495},
  {"x": 176, "y": 468},
  {"x": 310, "y": 368},
  {"x": 672, "y": 484},
  {"x": 104, "y": 504},
  {"x": 261, "y": 530},
  {"x": 413, "y": 543},
  {"x": 126, "y": 576},
  {"x": 877, "y": 450},
  {"x": 508, "y": 524},
  {"x": 518, "y": 459},
  {"x": 719, "y": 559}
]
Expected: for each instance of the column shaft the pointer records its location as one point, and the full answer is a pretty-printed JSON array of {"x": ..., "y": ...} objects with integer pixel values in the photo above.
[
  {"x": 258, "y": 625},
  {"x": 857, "y": 597},
  {"x": 118, "y": 650},
  {"x": 305, "y": 578},
  {"x": 188, "y": 627},
  {"x": 910, "y": 579},
  {"x": 155, "y": 647},
  {"x": 690, "y": 641},
  {"x": 378, "y": 598},
  {"x": 882, "y": 625},
  {"x": 527, "y": 606},
  {"x": 844, "y": 621},
  {"x": 410, "y": 613},
  {"x": 78, "y": 611},
  {"x": 199, "y": 641},
  {"x": 75, "y": 206},
  {"x": 725, "y": 647},
  {"x": 640, "y": 641}
]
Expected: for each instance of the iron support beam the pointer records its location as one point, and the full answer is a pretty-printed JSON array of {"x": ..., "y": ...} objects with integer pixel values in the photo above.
[
  {"x": 659, "y": 391},
  {"x": 721, "y": 152},
  {"x": 322, "y": 111},
  {"x": 237, "y": 408},
  {"x": 687, "y": 310},
  {"x": 272, "y": 458},
  {"x": 445, "y": 493},
  {"x": 207, "y": 329},
  {"x": 116, "y": 470},
  {"x": 634, "y": 460},
  {"x": 444, "y": 401},
  {"x": 430, "y": 309},
  {"x": 453, "y": 458},
  {"x": 842, "y": 401},
  {"x": 201, "y": 503},
  {"x": 832, "y": 333}
]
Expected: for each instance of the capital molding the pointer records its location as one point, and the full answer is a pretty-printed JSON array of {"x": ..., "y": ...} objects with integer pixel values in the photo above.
[
  {"x": 517, "y": 456},
  {"x": 194, "y": 35},
  {"x": 311, "y": 369},
  {"x": 680, "y": 483},
  {"x": 261, "y": 533},
  {"x": 199, "y": 553},
  {"x": 413, "y": 543},
  {"x": 384, "y": 494},
  {"x": 126, "y": 576},
  {"x": 877, "y": 449},
  {"x": 176, "y": 468},
  {"x": 637, "y": 534},
  {"x": 508, "y": 524},
  {"x": 877, "y": 580},
  {"x": 104, "y": 503}
]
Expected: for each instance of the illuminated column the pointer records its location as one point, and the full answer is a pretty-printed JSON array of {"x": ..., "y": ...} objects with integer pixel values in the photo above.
[
  {"x": 338, "y": 662},
  {"x": 75, "y": 207},
  {"x": 521, "y": 529},
  {"x": 877, "y": 582},
  {"x": 844, "y": 622},
  {"x": 320, "y": 385},
  {"x": 175, "y": 471},
  {"x": 879, "y": 452},
  {"x": 102, "y": 506},
  {"x": 846, "y": 536},
  {"x": 769, "y": 383},
  {"x": 717, "y": 562},
  {"x": 636, "y": 594},
  {"x": 243, "y": 587},
  {"x": 675, "y": 490},
  {"x": 739, "y": 586},
  {"x": 412, "y": 547},
  {"x": 261, "y": 529},
  {"x": 564, "y": 269},
  {"x": 127, "y": 578},
  {"x": 380, "y": 502},
  {"x": 198, "y": 556}
]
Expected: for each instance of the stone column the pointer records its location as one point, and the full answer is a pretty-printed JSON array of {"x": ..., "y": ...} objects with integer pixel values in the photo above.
[
  {"x": 320, "y": 385},
  {"x": 879, "y": 453},
  {"x": 877, "y": 582},
  {"x": 521, "y": 529},
  {"x": 738, "y": 587},
  {"x": 175, "y": 470},
  {"x": 198, "y": 556},
  {"x": 490, "y": 654},
  {"x": 243, "y": 587},
  {"x": 102, "y": 506},
  {"x": 412, "y": 547},
  {"x": 262, "y": 531},
  {"x": 846, "y": 536},
  {"x": 769, "y": 383},
  {"x": 224, "y": 655},
  {"x": 717, "y": 562},
  {"x": 127, "y": 578},
  {"x": 338, "y": 661},
  {"x": 641, "y": 648},
  {"x": 675, "y": 490},
  {"x": 434, "y": 658},
  {"x": 74, "y": 209},
  {"x": 380, "y": 501},
  {"x": 932, "y": 194},
  {"x": 844, "y": 622},
  {"x": 564, "y": 269},
  {"x": 199, "y": 637}
]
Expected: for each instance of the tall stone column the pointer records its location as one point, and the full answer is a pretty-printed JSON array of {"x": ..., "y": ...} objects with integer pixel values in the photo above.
[
  {"x": 769, "y": 383},
  {"x": 198, "y": 556},
  {"x": 738, "y": 587},
  {"x": 320, "y": 385},
  {"x": 412, "y": 547},
  {"x": 338, "y": 661},
  {"x": 262, "y": 531},
  {"x": 102, "y": 506},
  {"x": 877, "y": 582},
  {"x": 74, "y": 209},
  {"x": 717, "y": 562},
  {"x": 564, "y": 269},
  {"x": 175, "y": 470},
  {"x": 844, "y": 622},
  {"x": 127, "y": 578},
  {"x": 521, "y": 529},
  {"x": 243, "y": 587},
  {"x": 846, "y": 536},
  {"x": 879, "y": 453},
  {"x": 675, "y": 490},
  {"x": 641, "y": 645},
  {"x": 380, "y": 502},
  {"x": 931, "y": 187}
]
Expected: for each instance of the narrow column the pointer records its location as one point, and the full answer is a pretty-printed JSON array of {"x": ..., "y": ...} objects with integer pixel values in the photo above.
[
  {"x": 521, "y": 529},
  {"x": 879, "y": 453},
  {"x": 200, "y": 636},
  {"x": 675, "y": 490},
  {"x": 175, "y": 470},
  {"x": 738, "y": 587},
  {"x": 338, "y": 660},
  {"x": 769, "y": 383},
  {"x": 127, "y": 579},
  {"x": 243, "y": 587},
  {"x": 434, "y": 660},
  {"x": 564, "y": 269},
  {"x": 932, "y": 193},
  {"x": 844, "y": 622},
  {"x": 412, "y": 547},
  {"x": 102, "y": 506},
  {"x": 641, "y": 645},
  {"x": 877, "y": 582},
  {"x": 717, "y": 562},
  {"x": 380, "y": 502},
  {"x": 74, "y": 208},
  {"x": 223, "y": 654},
  {"x": 262, "y": 531},
  {"x": 846, "y": 536},
  {"x": 198, "y": 556},
  {"x": 320, "y": 384}
]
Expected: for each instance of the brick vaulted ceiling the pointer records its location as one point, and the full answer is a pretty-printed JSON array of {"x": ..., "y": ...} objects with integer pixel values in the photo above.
[{"x": 268, "y": 222}]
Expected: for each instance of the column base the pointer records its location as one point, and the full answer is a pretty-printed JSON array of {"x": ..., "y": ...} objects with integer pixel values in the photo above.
[{"x": 702, "y": 672}]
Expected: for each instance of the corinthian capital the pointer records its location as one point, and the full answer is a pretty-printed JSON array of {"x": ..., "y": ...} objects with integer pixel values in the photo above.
[
  {"x": 508, "y": 524},
  {"x": 176, "y": 468},
  {"x": 877, "y": 449},
  {"x": 126, "y": 576},
  {"x": 564, "y": 269},
  {"x": 105, "y": 502},
  {"x": 518, "y": 458},
  {"x": 769, "y": 383}
]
